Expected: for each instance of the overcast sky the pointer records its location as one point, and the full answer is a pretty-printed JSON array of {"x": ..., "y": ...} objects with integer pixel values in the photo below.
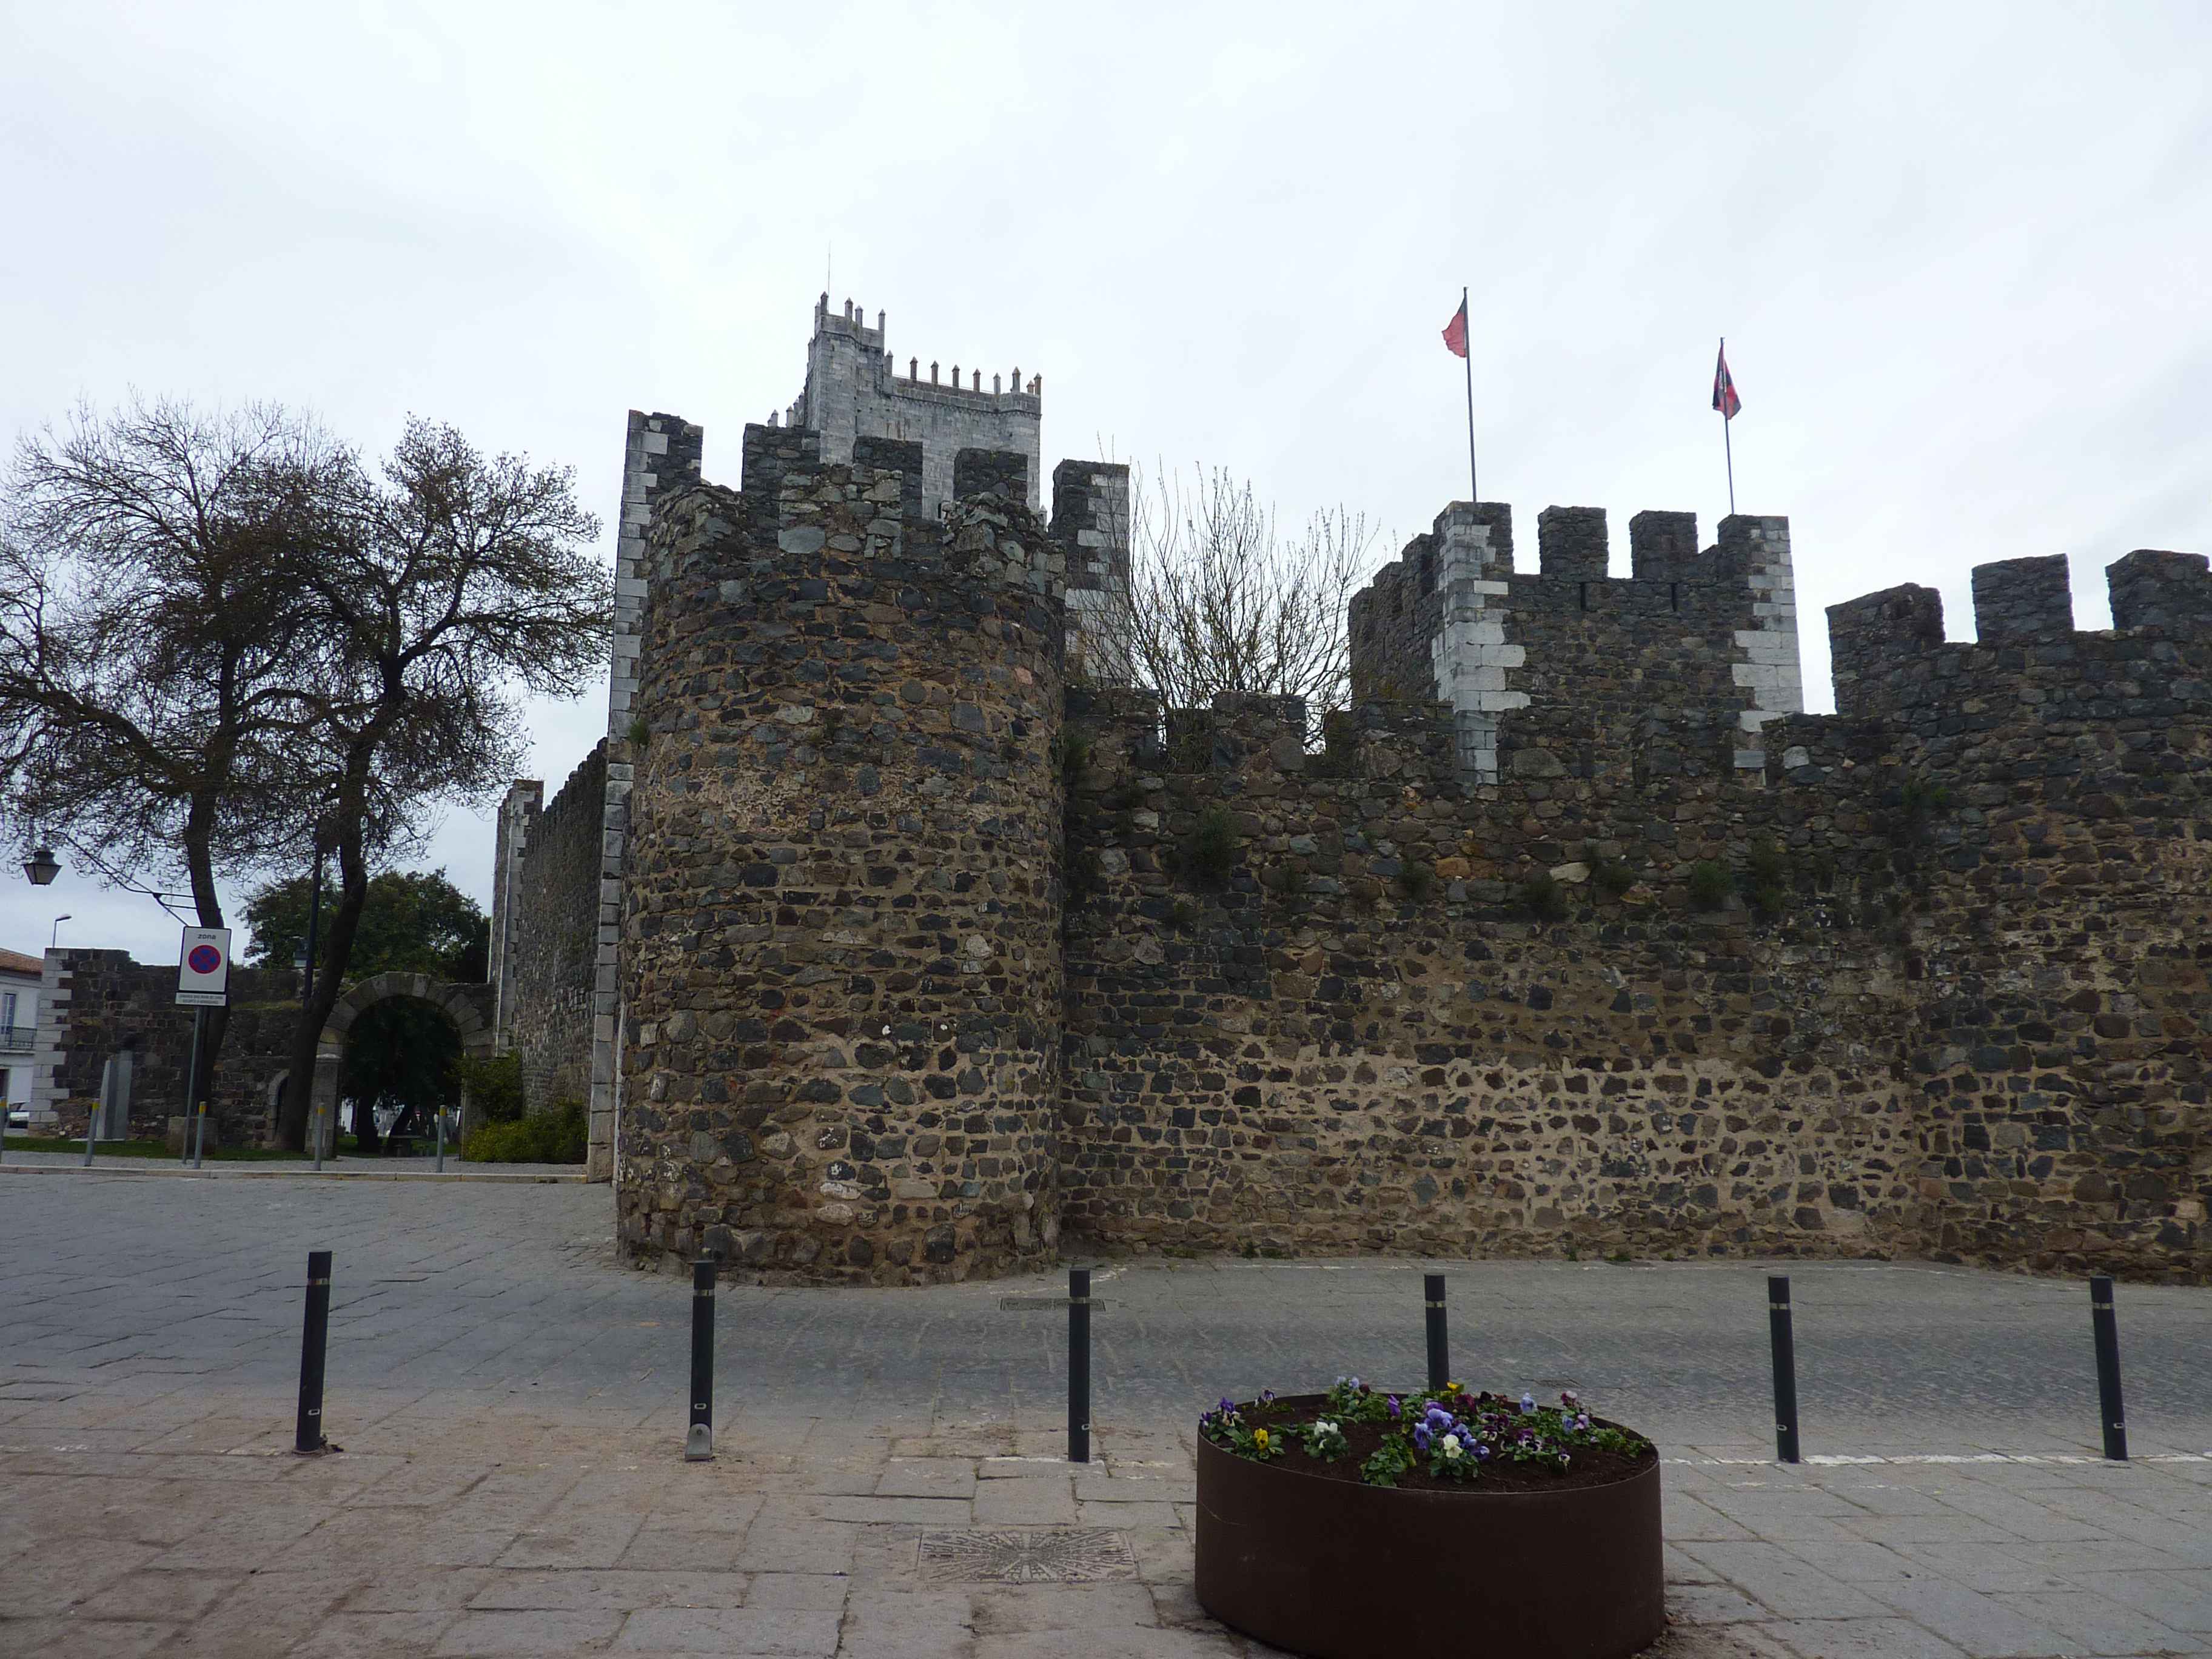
[{"x": 1960, "y": 253}]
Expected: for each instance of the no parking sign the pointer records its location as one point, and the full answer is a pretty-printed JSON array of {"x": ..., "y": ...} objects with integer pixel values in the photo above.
[{"x": 203, "y": 968}]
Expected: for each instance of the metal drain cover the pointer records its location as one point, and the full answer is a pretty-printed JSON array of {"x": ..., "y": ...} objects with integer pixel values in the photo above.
[{"x": 1044, "y": 1555}]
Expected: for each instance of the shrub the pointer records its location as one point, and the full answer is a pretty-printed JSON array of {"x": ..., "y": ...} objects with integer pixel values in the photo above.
[
  {"x": 1416, "y": 881},
  {"x": 494, "y": 1086},
  {"x": 640, "y": 733},
  {"x": 1766, "y": 879},
  {"x": 1612, "y": 877},
  {"x": 1074, "y": 754},
  {"x": 560, "y": 1134},
  {"x": 1210, "y": 855},
  {"x": 1084, "y": 876},
  {"x": 1709, "y": 884},
  {"x": 1541, "y": 898}
]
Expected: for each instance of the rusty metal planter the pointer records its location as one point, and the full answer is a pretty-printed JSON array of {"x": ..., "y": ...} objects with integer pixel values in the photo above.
[{"x": 1336, "y": 1570}]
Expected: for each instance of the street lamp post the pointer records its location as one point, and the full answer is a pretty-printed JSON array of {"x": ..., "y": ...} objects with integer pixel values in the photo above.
[
  {"x": 54, "y": 939},
  {"x": 42, "y": 867}
]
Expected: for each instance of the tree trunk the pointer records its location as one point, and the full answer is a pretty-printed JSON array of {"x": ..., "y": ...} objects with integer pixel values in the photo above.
[
  {"x": 199, "y": 863},
  {"x": 330, "y": 977},
  {"x": 368, "y": 1142}
]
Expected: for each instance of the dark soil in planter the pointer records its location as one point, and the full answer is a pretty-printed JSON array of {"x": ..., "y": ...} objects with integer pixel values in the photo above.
[{"x": 1587, "y": 1466}]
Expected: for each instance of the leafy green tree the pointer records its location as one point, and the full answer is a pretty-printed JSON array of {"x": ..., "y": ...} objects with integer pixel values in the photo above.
[
  {"x": 401, "y": 1052},
  {"x": 413, "y": 921},
  {"x": 443, "y": 588}
]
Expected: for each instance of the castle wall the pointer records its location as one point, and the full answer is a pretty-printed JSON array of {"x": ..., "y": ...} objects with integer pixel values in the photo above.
[
  {"x": 841, "y": 961},
  {"x": 99, "y": 1003},
  {"x": 1589, "y": 656},
  {"x": 553, "y": 904},
  {"x": 660, "y": 453},
  {"x": 1363, "y": 1040},
  {"x": 1967, "y": 1016},
  {"x": 518, "y": 810},
  {"x": 1607, "y": 948}
]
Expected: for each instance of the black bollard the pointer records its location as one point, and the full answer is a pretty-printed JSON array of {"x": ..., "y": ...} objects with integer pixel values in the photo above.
[
  {"x": 1078, "y": 1365},
  {"x": 699, "y": 1443},
  {"x": 307, "y": 1438},
  {"x": 1432, "y": 1286},
  {"x": 1785, "y": 1367},
  {"x": 2105, "y": 1323}
]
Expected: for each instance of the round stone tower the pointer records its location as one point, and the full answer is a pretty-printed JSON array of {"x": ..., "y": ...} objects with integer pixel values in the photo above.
[{"x": 841, "y": 957}]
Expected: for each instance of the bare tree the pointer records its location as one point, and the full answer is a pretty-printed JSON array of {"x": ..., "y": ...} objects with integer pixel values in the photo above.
[
  {"x": 148, "y": 655},
  {"x": 436, "y": 591},
  {"x": 1219, "y": 603}
]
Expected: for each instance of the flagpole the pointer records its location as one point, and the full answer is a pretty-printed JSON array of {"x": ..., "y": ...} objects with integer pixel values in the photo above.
[
  {"x": 1728, "y": 448},
  {"x": 1474, "y": 482}
]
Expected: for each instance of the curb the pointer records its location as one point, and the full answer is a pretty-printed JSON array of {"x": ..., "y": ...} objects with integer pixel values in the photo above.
[{"x": 159, "y": 1173}]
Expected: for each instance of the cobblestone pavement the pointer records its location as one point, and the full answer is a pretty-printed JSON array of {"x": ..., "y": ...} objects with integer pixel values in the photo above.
[{"x": 511, "y": 1405}]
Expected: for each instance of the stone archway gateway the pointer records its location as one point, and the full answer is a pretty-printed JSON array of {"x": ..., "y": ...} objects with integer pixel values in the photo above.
[{"x": 469, "y": 1006}]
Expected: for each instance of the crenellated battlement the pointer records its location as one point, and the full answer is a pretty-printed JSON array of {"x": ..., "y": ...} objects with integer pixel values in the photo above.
[
  {"x": 1583, "y": 650},
  {"x": 854, "y": 393},
  {"x": 2028, "y": 663},
  {"x": 1574, "y": 934}
]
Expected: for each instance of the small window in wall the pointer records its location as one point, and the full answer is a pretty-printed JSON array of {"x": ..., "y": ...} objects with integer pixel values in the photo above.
[{"x": 7, "y": 1007}]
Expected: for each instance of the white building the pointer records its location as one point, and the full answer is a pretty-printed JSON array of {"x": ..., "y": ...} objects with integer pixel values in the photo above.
[{"x": 20, "y": 976}]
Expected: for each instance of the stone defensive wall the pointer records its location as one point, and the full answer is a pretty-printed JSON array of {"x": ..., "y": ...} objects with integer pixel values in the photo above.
[
  {"x": 1581, "y": 655},
  {"x": 842, "y": 965},
  {"x": 546, "y": 997},
  {"x": 1575, "y": 936},
  {"x": 1930, "y": 978}
]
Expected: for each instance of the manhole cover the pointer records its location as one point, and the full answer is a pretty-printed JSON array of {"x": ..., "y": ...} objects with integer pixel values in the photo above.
[{"x": 1059, "y": 1555}]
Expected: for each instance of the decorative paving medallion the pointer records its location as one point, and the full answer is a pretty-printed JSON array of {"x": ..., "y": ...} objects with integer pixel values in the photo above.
[{"x": 1053, "y": 1555}]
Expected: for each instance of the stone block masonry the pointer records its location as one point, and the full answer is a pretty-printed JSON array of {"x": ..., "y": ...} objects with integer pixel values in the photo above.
[
  {"x": 1577, "y": 936},
  {"x": 1585, "y": 652},
  {"x": 97, "y": 1005},
  {"x": 854, "y": 394},
  {"x": 659, "y": 453},
  {"x": 549, "y": 919},
  {"x": 841, "y": 951},
  {"x": 1953, "y": 999},
  {"x": 1925, "y": 977}
]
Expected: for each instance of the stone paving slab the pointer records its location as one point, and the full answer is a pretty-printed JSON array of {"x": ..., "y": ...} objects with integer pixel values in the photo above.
[
  {"x": 359, "y": 1169},
  {"x": 511, "y": 1406}
]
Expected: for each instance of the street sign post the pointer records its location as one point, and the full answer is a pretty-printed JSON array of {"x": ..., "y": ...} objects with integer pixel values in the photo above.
[
  {"x": 203, "y": 968},
  {"x": 203, "y": 982}
]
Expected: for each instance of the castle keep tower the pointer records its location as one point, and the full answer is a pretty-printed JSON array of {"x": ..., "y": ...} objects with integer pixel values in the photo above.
[
  {"x": 855, "y": 391},
  {"x": 841, "y": 957}
]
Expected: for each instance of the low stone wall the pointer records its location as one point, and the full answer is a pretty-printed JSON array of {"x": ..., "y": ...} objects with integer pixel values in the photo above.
[{"x": 106, "y": 1003}]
